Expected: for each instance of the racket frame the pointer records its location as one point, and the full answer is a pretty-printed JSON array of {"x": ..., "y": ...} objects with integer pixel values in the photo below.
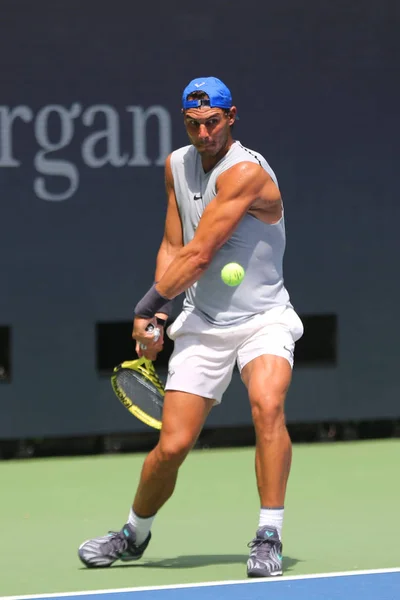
[{"x": 142, "y": 366}]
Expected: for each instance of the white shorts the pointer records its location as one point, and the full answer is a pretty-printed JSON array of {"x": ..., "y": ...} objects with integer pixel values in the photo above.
[{"x": 204, "y": 355}]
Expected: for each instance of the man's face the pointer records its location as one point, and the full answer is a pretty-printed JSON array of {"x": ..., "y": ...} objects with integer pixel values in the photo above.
[{"x": 208, "y": 128}]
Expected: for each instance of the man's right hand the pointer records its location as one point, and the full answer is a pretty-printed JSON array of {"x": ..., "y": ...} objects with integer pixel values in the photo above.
[
  {"x": 152, "y": 347},
  {"x": 150, "y": 353}
]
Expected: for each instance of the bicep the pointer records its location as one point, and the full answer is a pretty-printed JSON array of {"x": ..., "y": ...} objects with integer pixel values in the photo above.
[{"x": 238, "y": 190}]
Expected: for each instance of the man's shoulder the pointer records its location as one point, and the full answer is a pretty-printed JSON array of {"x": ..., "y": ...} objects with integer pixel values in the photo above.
[
  {"x": 249, "y": 154},
  {"x": 179, "y": 154},
  {"x": 244, "y": 154}
]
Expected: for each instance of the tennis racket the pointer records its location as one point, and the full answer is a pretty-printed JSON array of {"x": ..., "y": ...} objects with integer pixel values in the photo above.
[{"x": 139, "y": 388}]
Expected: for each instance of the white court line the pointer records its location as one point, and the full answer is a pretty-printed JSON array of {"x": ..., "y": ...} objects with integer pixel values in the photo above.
[{"x": 205, "y": 584}]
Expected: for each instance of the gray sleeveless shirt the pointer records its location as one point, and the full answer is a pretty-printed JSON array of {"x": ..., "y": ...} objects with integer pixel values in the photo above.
[{"x": 257, "y": 246}]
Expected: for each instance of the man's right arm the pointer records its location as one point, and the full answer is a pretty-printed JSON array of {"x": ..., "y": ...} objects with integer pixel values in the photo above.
[
  {"x": 172, "y": 240},
  {"x": 171, "y": 244}
]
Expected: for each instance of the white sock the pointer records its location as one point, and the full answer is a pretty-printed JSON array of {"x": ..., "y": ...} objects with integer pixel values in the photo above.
[
  {"x": 273, "y": 517},
  {"x": 141, "y": 526}
]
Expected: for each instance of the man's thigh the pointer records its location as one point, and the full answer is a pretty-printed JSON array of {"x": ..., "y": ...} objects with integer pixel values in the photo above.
[
  {"x": 203, "y": 358},
  {"x": 273, "y": 334},
  {"x": 183, "y": 418},
  {"x": 267, "y": 379}
]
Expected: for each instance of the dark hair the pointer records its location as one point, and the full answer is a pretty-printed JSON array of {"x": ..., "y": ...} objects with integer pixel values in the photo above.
[{"x": 198, "y": 95}]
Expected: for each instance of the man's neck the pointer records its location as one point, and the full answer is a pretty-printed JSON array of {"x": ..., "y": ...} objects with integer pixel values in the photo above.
[{"x": 209, "y": 162}]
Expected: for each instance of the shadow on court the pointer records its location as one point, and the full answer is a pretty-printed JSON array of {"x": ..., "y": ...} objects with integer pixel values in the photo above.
[{"x": 201, "y": 560}]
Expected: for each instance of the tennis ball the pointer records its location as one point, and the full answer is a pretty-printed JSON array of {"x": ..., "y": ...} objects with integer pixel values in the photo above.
[{"x": 232, "y": 274}]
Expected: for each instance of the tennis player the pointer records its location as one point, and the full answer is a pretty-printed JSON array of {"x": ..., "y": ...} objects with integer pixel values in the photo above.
[{"x": 224, "y": 206}]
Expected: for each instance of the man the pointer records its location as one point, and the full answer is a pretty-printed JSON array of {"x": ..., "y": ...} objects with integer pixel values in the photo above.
[{"x": 224, "y": 206}]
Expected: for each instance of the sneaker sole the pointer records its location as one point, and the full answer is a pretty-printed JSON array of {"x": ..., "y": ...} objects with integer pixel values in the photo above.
[
  {"x": 259, "y": 575},
  {"x": 131, "y": 558}
]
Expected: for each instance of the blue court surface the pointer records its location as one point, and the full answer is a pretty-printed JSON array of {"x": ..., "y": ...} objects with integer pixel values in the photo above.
[{"x": 383, "y": 584}]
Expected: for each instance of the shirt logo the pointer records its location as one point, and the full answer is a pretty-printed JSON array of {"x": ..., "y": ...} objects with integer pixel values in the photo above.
[{"x": 197, "y": 197}]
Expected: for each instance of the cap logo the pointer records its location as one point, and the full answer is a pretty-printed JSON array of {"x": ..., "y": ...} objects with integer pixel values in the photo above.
[{"x": 199, "y": 84}]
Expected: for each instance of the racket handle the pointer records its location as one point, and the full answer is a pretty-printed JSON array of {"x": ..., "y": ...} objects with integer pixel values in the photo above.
[{"x": 156, "y": 334}]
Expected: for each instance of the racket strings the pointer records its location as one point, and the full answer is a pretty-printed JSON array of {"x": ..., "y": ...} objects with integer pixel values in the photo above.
[
  {"x": 150, "y": 373},
  {"x": 139, "y": 387}
]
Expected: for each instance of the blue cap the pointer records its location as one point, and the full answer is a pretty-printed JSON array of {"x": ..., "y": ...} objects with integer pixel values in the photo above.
[{"x": 219, "y": 95}]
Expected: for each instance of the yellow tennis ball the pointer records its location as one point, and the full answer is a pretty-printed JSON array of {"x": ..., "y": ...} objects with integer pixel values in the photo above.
[{"x": 232, "y": 274}]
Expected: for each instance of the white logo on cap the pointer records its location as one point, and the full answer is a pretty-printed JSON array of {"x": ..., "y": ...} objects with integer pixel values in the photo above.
[{"x": 199, "y": 84}]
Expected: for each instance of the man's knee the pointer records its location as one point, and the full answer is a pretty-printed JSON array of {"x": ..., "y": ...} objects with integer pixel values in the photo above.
[
  {"x": 173, "y": 450},
  {"x": 267, "y": 412}
]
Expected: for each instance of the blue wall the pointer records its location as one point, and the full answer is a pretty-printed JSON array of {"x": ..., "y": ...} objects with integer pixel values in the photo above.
[{"x": 81, "y": 183}]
